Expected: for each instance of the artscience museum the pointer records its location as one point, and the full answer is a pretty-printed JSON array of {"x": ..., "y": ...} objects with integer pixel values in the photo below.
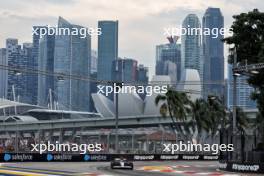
[{"x": 131, "y": 104}]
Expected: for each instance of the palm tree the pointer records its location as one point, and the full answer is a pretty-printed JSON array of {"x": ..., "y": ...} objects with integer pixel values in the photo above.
[
  {"x": 176, "y": 104},
  {"x": 200, "y": 112},
  {"x": 206, "y": 116},
  {"x": 216, "y": 115},
  {"x": 242, "y": 120}
]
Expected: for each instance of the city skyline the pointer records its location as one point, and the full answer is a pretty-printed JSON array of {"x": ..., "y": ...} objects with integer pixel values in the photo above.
[
  {"x": 150, "y": 18},
  {"x": 108, "y": 52}
]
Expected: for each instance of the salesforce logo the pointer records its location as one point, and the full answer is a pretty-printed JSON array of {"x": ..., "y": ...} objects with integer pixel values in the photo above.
[
  {"x": 49, "y": 157},
  {"x": 87, "y": 157},
  {"x": 7, "y": 157}
]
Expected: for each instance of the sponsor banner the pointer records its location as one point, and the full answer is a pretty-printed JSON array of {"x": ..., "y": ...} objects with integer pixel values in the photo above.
[
  {"x": 17, "y": 157},
  {"x": 188, "y": 157},
  {"x": 58, "y": 157},
  {"x": 242, "y": 167},
  {"x": 169, "y": 157},
  {"x": 52, "y": 157},
  {"x": 144, "y": 157}
]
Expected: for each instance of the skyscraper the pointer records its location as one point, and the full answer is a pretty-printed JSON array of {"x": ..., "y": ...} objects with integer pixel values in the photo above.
[
  {"x": 3, "y": 73},
  {"x": 72, "y": 56},
  {"x": 125, "y": 70},
  {"x": 20, "y": 85},
  {"x": 191, "y": 44},
  {"x": 16, "y": 83},
  {"x": 94, "y": 59},
  {"x": 93, "y": 85},
  {"x": 33, "y": 64},
  {"x": 168, "y": 52},
  {"x": 107, "y": 49},
  {"x": 244, "y": 91},
  {"x": 213, "y": 51},
  {"x": 30, "y": 79},
  {"x": 142, "y": 74},
  {"x": 46, "y": 63}
]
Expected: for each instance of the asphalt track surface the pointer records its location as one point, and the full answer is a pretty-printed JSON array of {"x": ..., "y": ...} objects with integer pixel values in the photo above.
[{"x": 164, "y": 168}]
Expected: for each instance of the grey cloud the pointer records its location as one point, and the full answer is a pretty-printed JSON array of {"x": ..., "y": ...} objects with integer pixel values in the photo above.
[
  {"x": 8, "y": 15},
  {"x": 177, "y": 14},
  {"x": 138, "y": 35}
]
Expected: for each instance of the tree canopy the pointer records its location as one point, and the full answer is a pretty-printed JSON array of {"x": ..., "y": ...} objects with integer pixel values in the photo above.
[{"x": 248, "y": 40}]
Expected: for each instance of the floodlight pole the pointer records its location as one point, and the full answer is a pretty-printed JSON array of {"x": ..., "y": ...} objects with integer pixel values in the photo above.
[
  {"x": 118, "y": 86},
  {"x": 116, "y": 123},
  {"x": 234, "y": 93}
]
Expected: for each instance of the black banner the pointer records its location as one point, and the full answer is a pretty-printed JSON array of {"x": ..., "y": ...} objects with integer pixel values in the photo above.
[
  {"x": 58, "y": 157},
  {"x": 242, "y": 167}
]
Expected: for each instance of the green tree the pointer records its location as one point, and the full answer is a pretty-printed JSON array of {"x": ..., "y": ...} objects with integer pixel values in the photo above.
[
  {"x": 175, "y": 104},
  {"x": 200, "y": 112},
  {"x": 248, "y": 41},
  {"x": 242, "y": 120},
  {"x": 216, "y": 115},
  {"x": 206, "y": 116}
]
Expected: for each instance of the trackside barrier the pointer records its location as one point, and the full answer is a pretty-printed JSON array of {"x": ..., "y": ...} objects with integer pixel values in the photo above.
[
  {"x": 245, "y": 167},
  {"x": 53, "y": 157}
]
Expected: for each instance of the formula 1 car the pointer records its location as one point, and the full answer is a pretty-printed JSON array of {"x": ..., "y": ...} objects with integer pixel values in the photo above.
[{"x": 121, "y": 163}]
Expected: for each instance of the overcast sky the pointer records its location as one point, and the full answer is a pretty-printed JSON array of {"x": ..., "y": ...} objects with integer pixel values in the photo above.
[{"x": 141, "y": 22}]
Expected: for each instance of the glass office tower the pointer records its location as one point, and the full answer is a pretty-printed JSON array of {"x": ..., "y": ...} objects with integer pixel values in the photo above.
[
  {"x": 125, "y": 70},
  {"x": 107, "y": 49},
  {"x": 3, "y": 74},
  {"x": 244, "y": 91},
  {"x": 191, "y": 44},
  {"x": 46, "y": 63},
  {"x": 72, "y": 56},
  {"x": 17, "y": 81},
  {"x": 166, "y": 56},
  {"x": 33, "y": 79},
  {"x": 213, "y": 51}
]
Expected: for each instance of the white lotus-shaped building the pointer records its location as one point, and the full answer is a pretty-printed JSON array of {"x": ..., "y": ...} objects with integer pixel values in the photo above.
[
  {"x": 130, "y": 104},
  {"x": 191, "y": 83}
]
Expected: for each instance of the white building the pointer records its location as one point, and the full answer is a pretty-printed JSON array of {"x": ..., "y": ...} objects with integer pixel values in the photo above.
[
  {"x": 191, "y": 83},
  {"x": 130, "y": 104}
]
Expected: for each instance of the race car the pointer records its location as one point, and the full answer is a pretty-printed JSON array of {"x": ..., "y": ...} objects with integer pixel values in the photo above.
[{"x": 121, "y": 163}]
